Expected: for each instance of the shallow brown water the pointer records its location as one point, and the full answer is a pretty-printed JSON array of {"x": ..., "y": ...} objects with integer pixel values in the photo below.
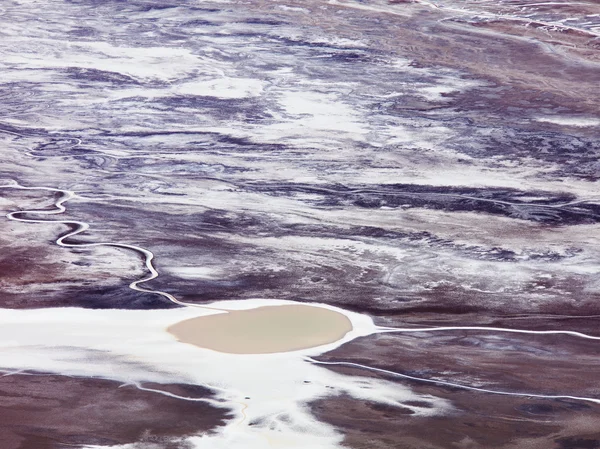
[{"x": 264, "y": 330}]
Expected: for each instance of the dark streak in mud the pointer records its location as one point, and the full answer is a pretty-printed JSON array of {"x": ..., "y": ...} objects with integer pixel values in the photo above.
[{"x": 550, "y": 208}]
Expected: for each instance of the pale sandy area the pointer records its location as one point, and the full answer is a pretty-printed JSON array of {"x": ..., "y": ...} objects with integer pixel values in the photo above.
[
  {"x": 265, "y": 394},
  {"x": 264, "y": 330}
]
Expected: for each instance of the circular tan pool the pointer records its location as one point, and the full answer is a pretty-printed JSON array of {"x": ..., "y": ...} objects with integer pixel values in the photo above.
[{"x": 264, "y": 330}]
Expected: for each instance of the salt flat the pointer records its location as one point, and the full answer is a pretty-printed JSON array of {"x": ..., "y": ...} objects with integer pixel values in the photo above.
[{"x": 423, "y": 174}]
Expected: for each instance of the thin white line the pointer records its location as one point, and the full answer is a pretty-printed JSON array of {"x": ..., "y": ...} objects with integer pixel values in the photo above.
[
  {"x": 176, "y": 396},
  {"x": 82, "y": 227},
  {"x": 488, "y": 329},
  {"x": 450, "y": 384},
  {"x": 219, "y": 404}
]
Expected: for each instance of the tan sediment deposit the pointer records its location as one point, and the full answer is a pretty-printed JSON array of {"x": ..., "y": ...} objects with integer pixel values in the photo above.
[{"x": 264, "y": 330}]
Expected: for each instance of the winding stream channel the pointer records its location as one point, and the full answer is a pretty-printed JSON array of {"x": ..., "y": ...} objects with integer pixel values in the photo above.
[{"x": 289, "y": 367}]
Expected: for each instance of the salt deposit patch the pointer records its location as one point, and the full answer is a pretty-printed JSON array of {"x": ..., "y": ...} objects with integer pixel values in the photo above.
[
  {"x": 580, "y": 122},
  {"x": 266, "y": 393}
]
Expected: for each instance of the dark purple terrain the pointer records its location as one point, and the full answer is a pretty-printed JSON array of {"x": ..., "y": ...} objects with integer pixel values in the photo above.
[{"x": 425, "y": 163}]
